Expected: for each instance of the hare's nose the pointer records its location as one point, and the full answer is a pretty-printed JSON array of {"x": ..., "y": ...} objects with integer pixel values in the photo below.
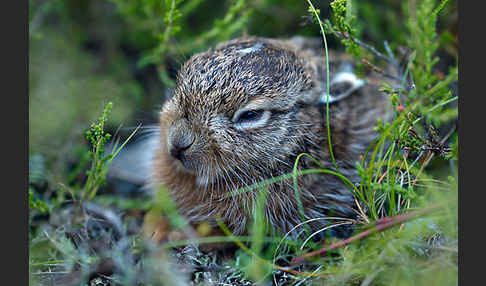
[{"x": 180, "y": 138}]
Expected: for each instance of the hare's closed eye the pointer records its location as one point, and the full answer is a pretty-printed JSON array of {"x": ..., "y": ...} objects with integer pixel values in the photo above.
[
  {"x": 250, "y": 115},
  {"x": 253, "y": 118}
]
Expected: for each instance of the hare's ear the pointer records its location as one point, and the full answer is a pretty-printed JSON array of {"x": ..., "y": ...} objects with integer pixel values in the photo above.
[
  {"x": 343, "y": 83},
  {"x": 341, "y": 86}
]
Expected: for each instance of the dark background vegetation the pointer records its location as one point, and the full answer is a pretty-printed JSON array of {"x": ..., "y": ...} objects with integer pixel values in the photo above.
[{"x": 85, "y": 53}]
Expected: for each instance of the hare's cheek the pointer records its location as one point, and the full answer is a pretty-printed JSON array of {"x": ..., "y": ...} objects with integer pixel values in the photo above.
[{"x": 221, "y": 140}]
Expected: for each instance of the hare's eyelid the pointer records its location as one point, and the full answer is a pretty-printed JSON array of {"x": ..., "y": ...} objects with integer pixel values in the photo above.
[{"x": 255, "y": 105}]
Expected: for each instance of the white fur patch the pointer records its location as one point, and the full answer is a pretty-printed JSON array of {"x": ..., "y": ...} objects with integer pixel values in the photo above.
[{"x": 252, "y": 49}]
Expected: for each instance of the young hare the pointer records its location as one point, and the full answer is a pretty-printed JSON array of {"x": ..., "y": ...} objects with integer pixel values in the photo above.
[{"x": 241, "y": 113}]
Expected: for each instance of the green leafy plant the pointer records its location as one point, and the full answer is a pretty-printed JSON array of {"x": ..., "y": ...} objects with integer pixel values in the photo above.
[
  {"x": 101, "y": 160},
  {"x": 39, "y": 205}
]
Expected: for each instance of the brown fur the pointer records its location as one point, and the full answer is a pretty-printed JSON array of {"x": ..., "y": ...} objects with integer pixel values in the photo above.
[{"x": 286, "y": 77}]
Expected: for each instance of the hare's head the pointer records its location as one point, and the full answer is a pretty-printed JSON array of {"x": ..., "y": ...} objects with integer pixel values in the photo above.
[{"x": 233, "y": 113}]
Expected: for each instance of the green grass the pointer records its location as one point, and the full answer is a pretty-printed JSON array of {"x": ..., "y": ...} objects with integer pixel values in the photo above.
[{"x": 410, "y": 167}]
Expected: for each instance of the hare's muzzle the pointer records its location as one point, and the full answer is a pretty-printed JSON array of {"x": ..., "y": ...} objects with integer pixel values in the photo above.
[{"x": 179, "y": 140}]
